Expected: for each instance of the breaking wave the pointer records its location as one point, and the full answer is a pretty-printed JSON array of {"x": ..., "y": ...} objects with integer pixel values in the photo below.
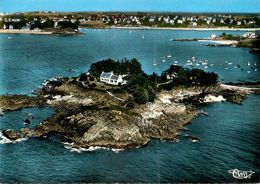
[
  {"x": 71, "y": 148},
  {"x": 4, "y": 140}
]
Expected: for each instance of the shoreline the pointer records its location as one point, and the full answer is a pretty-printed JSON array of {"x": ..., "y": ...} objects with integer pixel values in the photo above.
[
  {"x": 175, "y": 28},
  {"x": 220, "y": 42},
  {"x": 14, "y": 31}
]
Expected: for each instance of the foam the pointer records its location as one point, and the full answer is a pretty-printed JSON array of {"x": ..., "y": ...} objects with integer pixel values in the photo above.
[
  {"x": 4, "y": 140},
  {"x": 70, "y": 147},
  {"x": 211, "y": 98}
]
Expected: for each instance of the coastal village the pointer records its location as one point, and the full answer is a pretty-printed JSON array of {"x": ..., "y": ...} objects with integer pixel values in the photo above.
[{"x": 43, "y": 20}]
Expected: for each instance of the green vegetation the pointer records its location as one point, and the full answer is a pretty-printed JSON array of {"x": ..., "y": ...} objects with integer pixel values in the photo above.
[
  {"x": 225, "y": 36},
  {"x": 130, "y": 67},
  {"x": 68, "y": 24},
  {"x": 142, "y": 87},
  {"x": 184, "y": 76},
  {"x": 250, "y": 43}
]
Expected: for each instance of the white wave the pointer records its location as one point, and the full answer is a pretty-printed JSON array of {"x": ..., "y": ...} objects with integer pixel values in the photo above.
[
  {"x": 5, "y": 140},
  {"x": 193, "y": 140},
  {"x": 70, "y": 147},
  {"x": 211, "y": 98}
]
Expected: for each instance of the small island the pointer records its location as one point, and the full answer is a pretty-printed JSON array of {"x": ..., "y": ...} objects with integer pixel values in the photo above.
[{"x": 116, "y": 105}]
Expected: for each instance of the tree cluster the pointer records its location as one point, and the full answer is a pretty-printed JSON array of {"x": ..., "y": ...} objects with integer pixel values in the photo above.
[
  {"x": 68, "y": 24},
  {"x": 184, "y": 76},
  {"x": 129, "y": 67}
]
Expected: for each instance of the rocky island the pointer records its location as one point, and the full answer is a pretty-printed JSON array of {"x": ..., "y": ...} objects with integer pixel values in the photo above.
[{"x": 92, "y": 113}]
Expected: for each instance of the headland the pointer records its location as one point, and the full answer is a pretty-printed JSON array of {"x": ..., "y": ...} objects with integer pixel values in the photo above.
[{"x": 92, "y": 113}]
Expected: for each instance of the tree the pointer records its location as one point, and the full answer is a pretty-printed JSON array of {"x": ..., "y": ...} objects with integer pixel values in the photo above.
[
  {"x": 140, "y": 96},
  {"x": 83, "y": 77},
  {"x": 48, "y": 24}
]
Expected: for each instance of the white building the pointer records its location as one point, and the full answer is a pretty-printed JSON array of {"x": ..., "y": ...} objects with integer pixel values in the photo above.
[
  {"x": 213, "y": 36},
  {"x": 249, "y": 35},
  {"x": 194, "y": 24},
  {"x": 179, "y": 21},
  {"x": 111, "y": 78}
]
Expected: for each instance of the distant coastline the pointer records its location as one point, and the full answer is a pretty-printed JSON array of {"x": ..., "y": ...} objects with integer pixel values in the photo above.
[
  {"x": 43, "y": 32},
  {"x": 176, "y": 28}
]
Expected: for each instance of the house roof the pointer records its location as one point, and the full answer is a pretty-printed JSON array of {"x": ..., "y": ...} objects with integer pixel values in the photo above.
[
  {"x": 114, "y": 77},
  {"x": 106, "y": 74}
]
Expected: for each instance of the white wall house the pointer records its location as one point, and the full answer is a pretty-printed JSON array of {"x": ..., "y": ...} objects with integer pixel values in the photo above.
[{"x": 111, "y": 78}]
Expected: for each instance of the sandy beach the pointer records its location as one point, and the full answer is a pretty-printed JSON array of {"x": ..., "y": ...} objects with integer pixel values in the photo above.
[
  {"x": 222, "y": 42},
  {"x": 16, "y": 31},
  {"x": 187, "y": 29}
]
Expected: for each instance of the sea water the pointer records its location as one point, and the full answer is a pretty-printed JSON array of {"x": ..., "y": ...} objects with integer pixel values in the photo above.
[{"x": 229, "y": 135}]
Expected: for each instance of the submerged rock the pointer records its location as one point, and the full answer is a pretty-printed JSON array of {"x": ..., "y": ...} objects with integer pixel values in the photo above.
[{"x": 27, "y": 121}]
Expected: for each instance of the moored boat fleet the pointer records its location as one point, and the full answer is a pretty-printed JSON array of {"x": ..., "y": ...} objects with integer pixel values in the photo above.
[{"x": 195, "y": 62}]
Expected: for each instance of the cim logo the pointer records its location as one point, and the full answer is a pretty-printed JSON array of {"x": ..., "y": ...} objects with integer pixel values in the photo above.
[{"x": 238, "y": 174}]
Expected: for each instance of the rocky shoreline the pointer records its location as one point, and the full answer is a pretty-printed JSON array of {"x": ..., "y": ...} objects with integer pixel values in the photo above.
[{"x": 94, "y": 118}]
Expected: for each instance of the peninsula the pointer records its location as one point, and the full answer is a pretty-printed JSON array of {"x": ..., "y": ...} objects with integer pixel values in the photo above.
[{"x": 90, "y": 112}]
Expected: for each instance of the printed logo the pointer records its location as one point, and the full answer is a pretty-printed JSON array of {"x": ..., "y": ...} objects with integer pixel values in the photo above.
[{"x": 238, "y": 174}]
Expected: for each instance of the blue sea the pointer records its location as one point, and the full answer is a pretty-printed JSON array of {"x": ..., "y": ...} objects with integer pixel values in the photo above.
[{"x": 229, "y": 136}]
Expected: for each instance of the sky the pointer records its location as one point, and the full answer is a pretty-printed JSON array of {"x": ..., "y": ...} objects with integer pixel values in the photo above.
[{"x": 236, "y": 6}]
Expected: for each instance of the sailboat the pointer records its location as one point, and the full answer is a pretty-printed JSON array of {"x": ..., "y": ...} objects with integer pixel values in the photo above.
[
  {"x": 169, "y": 56},
  {"x": 154, "y": 63}
]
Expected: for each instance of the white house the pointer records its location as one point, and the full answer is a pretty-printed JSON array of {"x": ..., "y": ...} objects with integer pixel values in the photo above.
[
  {"x": 194, "y": 24},
  {"x": 111, "y": 78},
  {"x": 253, "y": 34},
  {"x": 179, "y": 21},
  {"x": 213, "y": 36}
]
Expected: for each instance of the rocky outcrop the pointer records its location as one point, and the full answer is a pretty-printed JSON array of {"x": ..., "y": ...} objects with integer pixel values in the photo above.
[
  {"x": 11, "y": 134},
  {"x": 15, "y": 102},
  {"x": 90, "y": 118}
]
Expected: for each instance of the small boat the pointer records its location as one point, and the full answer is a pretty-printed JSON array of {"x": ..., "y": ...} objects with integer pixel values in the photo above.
[
  {"x": 211, "y": 64},
  {"x": 197, "y": 64},
  {"x": 9, "y": 37},
  {"x": 248, "y": 63},
  {"x": 163, "y": 60},
  {"x": 248, "y": 71},
  {"x": 143, "y": 36},
  {"x": 205, "y": 66},
  {"x": 230, "y": 63},
  {"x": 154, "y": 63},
  {"x": 169, "y": 56},
  {"x": 226, "y": 68},
  {"x": 205, "y": 62}
]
